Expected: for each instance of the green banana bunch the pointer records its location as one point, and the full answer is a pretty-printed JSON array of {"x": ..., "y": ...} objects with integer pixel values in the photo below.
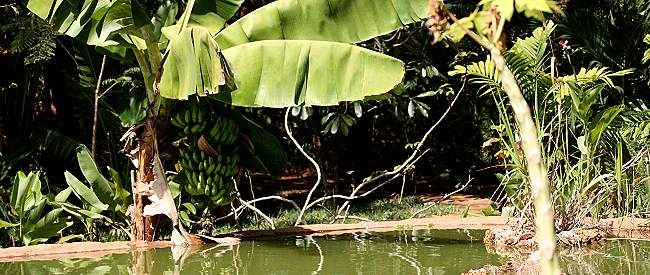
[
  {"x": 225, "y": 131},
  {"x": 191, "y": 120},
  {"x": 210, "y": 161},
  {"x": 210, "y": 176}
]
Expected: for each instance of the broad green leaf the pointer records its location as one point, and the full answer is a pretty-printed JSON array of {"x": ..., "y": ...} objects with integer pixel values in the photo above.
[
  {"x": 4, "y": 224},
  {"x": 536, "y": 8},
  {"x": 210, "y": 14},
  {"x": 165, "y": 16},
  {"x": 22, "y": 188},
  {"x": 267, "y": 154},
  {"x": 506, "y": 8},
  {"x": 589, "y": 98},
  {"x": 49, "y": 226},
  {"x": 100, "y": 185},
  {"x": 346, "y": 21},
  {"x": 456, "y": 32},
  {"x": 63, "y": 195},
  {"x": 83, "y": 192},
  {"x": 68, "y": 238},
  {"x": 190, "y": 207},
  {"x": 192, "y": 65},
  {"x": 34, "y": 214},
  {"x": 95, "y": 22},
  {"x": 278, "y": 73},
  {"x": 600, "y": 122},
  {"x": 82, "y": 213},
  {"x": 121, "y": 195}
]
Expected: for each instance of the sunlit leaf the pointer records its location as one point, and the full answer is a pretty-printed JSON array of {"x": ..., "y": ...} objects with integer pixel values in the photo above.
[
  {"x": 100, "y": 185},
  {"x": 83, "y": 192},
  {"x": 210, "y": 14},
  {"x": 279, "y": 73},
  {"x": 332, "y": 20}
]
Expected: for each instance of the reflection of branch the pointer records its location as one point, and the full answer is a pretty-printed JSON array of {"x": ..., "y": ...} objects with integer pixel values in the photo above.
[
  {"x": 412, "y": 262},
  {"x": 320, "y": 253},
  {"x": 318, "y": 173}
]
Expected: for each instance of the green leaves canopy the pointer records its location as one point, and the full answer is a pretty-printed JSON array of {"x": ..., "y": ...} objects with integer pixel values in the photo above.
[
  {"x": 345, "y": 21},
  {"x": 97, "y": 22},
  {"x": 278, "y": 73}
]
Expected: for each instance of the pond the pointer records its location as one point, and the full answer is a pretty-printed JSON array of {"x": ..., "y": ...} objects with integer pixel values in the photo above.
[{"x": 399, "y": 252}]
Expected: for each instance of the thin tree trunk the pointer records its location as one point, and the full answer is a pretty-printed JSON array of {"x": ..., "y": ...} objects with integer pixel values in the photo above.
[
  {"x": 99, "y": 82},
  {"x": 544, "y": 216}
]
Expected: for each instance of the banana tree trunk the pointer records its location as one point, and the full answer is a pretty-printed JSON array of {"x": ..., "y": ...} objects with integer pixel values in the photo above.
[
  {"x": 143, "y": 226},
  {"x": 151, "y": 194}
]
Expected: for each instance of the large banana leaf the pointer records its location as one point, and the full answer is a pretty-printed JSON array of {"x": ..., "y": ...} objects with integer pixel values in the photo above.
[
  {"x": 191, "y": 66},
  {"x": 279, "y": 73},
  {"x": 343, "y": 21}
]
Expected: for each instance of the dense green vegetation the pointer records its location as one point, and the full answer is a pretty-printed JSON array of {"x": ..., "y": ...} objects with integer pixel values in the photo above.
[{"x": 359, "y": 101}]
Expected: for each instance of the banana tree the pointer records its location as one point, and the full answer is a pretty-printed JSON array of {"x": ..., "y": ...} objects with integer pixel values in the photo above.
[{"x": 287, "y": 53}]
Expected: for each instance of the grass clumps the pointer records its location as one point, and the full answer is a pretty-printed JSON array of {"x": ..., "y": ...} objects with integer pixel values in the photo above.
[{"x": 376, "y": 210}]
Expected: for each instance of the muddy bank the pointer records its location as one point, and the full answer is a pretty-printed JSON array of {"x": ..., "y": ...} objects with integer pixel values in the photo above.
[
  {"x": 443, "y": 222},
  {"x": 74, "y": 250}
]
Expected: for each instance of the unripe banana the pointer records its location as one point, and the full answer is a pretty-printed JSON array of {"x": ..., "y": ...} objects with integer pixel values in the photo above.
[
  {"x": 213, "y": 132},
  {"x": 218, "y": 167},
  {"x": 175, "y": 122},
  {"x": 199, "y": 184},
  {"x": 179, "y": 118},
  {"x": 195, "y": 129},
  {"x": 187, "y": 117},
  {"x": 220, "y": 181},
  {"x": 202, "y": 126},
  {"x": 207, "y": 191},
  {"x": 209, "y": 180},
  {"x": 214, "y": 191}
]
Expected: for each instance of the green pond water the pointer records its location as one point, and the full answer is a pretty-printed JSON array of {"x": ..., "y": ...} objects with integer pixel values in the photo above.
[{"x": 400, "y": 252}]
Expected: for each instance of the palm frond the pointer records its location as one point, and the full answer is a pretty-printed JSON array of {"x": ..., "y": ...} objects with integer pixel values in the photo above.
[
  {"x": 483, "y": 73},
  {"x": 59, "y": 145},
  {"x": 635, "y": 123}
]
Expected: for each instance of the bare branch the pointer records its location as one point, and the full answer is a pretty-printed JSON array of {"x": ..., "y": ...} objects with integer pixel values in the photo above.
[
  {"x": 318, "y": 173},
  {"x": 446, "y": 196},
  {"x": 99, "y": 83}
]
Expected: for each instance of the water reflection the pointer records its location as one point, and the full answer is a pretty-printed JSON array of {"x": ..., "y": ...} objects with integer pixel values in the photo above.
[{"x": 399, "y": 252}]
